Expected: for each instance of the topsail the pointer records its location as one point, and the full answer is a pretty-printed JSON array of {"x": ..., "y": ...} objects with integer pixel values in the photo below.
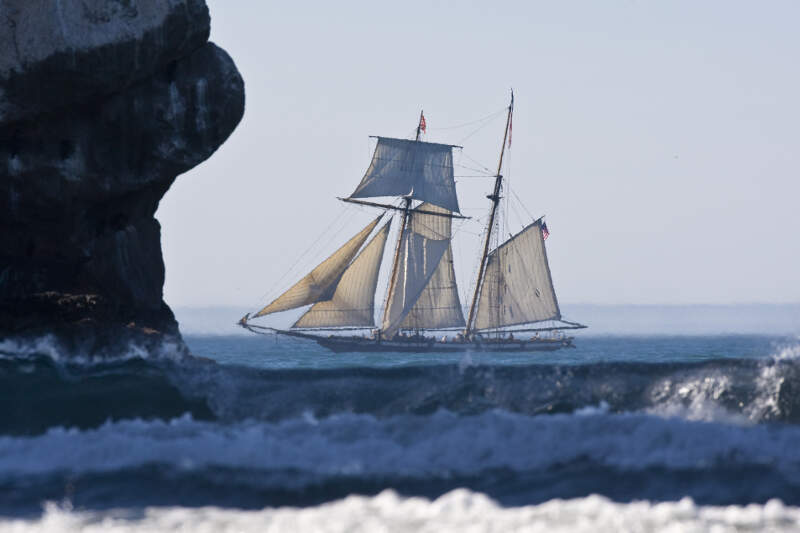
[
  {"x": 517, "y": 288},
  {"x": 419, "y": 170}
]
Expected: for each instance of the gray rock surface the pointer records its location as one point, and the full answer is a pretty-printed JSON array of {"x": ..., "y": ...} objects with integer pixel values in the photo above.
[
  {"x": 102, "y": 104},
  {"x": 54, "y": 53}
]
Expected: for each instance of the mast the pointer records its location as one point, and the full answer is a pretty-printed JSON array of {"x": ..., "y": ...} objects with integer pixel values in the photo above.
[
  {"x": 425, "y": 293},
  {"x": 395, "y": 263},
  {"x": 495, "y": 198},
  {"x": 403, "y": 225}
]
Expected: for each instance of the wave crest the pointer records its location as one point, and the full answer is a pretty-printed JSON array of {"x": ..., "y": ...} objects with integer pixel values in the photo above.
[
  {"x": 458, "y": 510},
  {"x": 40, "y": 391},
  {"x": 517, "y": 459}
]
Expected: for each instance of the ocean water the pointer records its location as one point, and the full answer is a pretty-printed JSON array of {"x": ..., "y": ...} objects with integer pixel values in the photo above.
[{"x": 651, "y": 433}]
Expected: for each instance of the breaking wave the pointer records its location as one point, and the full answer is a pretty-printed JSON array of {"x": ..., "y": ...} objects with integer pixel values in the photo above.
[
  {"x": 42, "y": 391},
  {"x": 49, "y": 347},
  {"x": 167, "y": 430},
  {"x": 443, "y": 443},
  {"x": 459, "y": 510},
  {"x": 518, "y": 459}
]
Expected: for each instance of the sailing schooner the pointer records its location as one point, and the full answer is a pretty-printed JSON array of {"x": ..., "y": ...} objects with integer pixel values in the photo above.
[{"x": 513, "y": 287}]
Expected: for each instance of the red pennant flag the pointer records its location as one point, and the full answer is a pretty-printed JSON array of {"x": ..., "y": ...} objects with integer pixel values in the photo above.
[{"x": 421, "y": 122}]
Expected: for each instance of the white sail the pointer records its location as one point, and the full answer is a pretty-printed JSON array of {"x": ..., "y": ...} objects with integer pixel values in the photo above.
[
  {"x": 424, "y": 245},
  {"x": 517, "y": 287},
  {"x": 421, "y": 170},
  {"x": 353, "y": 302},
  {"x": 438, "y": 305},
  {"x": 321, "y": 282}
]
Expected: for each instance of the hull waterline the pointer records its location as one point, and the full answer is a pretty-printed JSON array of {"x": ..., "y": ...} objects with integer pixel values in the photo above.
[{"x": 429, "y": 345}]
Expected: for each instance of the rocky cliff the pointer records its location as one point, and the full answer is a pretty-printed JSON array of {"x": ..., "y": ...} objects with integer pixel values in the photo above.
[{"x": 102, "y": 104}]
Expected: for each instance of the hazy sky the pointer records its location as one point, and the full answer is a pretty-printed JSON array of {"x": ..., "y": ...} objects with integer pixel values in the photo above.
[{"x": 660, "y": 139}]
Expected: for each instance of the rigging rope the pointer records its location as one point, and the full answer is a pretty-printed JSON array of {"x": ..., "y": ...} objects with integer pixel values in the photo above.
[
  {"x": 483, "y": 167},
  {"x": 513, "y": 210},
  {"x": 519, "y": 200},
  {"x": 302, "y": 256},
  {"x": 487, "y": 117},
  {"x": 474, "y": 170},
  {"x": 461, "y": 141}
]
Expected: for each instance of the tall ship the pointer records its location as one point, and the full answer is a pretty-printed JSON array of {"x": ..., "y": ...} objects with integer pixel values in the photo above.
[{"x": 512, "y": 306}]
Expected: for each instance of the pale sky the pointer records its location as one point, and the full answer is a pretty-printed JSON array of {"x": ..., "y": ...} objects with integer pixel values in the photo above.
[{"x": 660, "y": 139}]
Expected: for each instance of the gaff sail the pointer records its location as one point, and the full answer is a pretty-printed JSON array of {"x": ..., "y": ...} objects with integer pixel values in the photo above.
[
  {"x": 320, "y": 283},
  {"x": 517, "y": 286},
  {"x": 353, "y": 301},
  {"x": 415, "y": 169}
]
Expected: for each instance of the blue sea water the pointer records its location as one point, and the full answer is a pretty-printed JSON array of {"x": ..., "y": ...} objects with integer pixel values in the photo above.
[
  {"x": 275, "y": 352},
  {"x": 268, "y": 422}
]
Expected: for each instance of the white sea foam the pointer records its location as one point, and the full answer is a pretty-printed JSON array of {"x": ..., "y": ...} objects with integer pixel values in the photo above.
[
  {"x": 45, "y": 345},
  {"x": 48, "y": 346},
  {"x": 788, "y": 351},
  {"x": 601, "y": 408},
  {"x": 458, "y": 511},
  {"x": 442, "y": 444},
  {"x": 769, "y": 383},
  {"x": 698, "y": 395}
]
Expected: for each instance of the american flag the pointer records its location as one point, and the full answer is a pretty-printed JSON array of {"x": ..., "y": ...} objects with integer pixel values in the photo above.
[
  {"x": 421, "y": 122},
  {"x": 545, "y": 231}
]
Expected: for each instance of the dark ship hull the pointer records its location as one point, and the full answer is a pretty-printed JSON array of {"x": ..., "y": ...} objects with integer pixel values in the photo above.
[{"x": 421, "y": 344}]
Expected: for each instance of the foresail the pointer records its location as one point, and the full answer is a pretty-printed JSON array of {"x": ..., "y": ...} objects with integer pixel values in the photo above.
[
  {"x": 421, "y": 170},
  {"x": 424, "y": 294},
  {"x": 353, "y": 302},
  {"x": 517, "y": 287},
  {"x": 319, "y": 285}
]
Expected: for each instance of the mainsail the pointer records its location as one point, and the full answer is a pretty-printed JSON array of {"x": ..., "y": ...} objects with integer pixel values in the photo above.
[
  {"x": 319, "y": 285},
  {"x": 419, "y": 170},
  {"x": 517, "y": 287},
  {"x": 353, "y": 301},
  {"x": 424, "y": 293}
]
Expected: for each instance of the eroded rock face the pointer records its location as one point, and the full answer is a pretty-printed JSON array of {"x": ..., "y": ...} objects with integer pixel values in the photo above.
[
  {"x": 100, "y": 109},
  {"x": 55, "y": 53}
]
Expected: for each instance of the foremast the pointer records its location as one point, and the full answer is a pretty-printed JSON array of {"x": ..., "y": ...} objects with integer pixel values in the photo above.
[
  {"x": 396, "y": 262},
  {"x": 495, "y": 198},
  {"x": 403, "y": 225}
]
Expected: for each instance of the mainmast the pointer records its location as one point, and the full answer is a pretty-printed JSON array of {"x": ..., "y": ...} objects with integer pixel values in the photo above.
[
  {"x": 495, "y": 198},
  {"x": 403, "y": 225}
]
